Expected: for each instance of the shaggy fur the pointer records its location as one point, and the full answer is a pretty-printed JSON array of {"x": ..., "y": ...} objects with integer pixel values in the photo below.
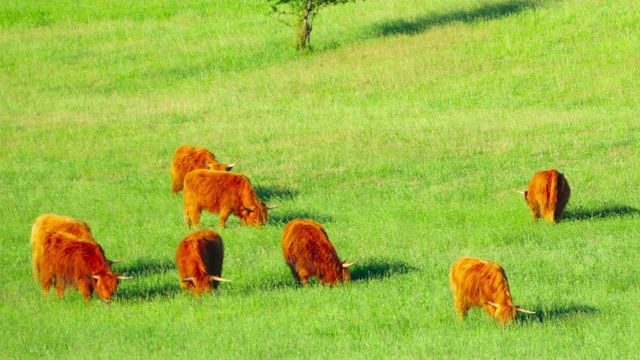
[
  {"x": 308, "y": 252},
  {"x": 221, "y": 193},
  {"x": 188, "y": 158},
  {"x": 476, "y": 282},
  {"x": 69, "y": 261},
  {"x": 547, "y": 195},
  {"x": 49, "y": 223},
  {"x": 199, "y": 256}
]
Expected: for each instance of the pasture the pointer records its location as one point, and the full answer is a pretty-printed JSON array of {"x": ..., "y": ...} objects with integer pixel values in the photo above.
[{"x": 404, "y": 133}]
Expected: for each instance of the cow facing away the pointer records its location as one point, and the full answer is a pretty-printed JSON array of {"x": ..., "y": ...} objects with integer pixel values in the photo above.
[
  {"x": 199, "y": 260},
  {"x": 309, "y": 253},
  {"x": 222, "y": 193},
  {"x": 547, "y": 195},
  {"x": 50, "y": 223},
  {"x": 188, "y": 158},
  {"x": 482, "y": 283},
  {"x": 70, "y": 261}
]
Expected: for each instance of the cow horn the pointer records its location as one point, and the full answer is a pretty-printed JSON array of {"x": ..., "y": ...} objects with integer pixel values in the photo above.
[
  {"x": 120, "y": 277},
  {"x": 111, "y": 262},
  {"x": 272, "y": 207},
  {"x": 491, "y": 304},
  {"x": 190, "y": 279},
  {"x": 217, "y": 278},
  {"x": 347, "y": 265},
  {"x": 248, "y": 208},
  {"x": 519, "y": 309},
  {"x": 230, "y": 166},
  {"x": 94, "y": 277},
  {"x": 519, "y": 192}
]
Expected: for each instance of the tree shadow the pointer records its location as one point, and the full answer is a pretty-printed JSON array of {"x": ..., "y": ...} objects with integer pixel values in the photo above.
[
  {"x": 424, "y": 23},
  {"x": 560, "y": 313},
  {"x": 268, "y": 193},
  {"x": 377, "y": 268},
  {"x": 577, "y": 214}
]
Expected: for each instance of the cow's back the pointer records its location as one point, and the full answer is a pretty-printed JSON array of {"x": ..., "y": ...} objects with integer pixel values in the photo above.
[
  {"x": 307, "y": 249},
  {"x": 186, "y": 159},
  {"x": 46, "y": 224},
  {"x": 199, "y": 255}
]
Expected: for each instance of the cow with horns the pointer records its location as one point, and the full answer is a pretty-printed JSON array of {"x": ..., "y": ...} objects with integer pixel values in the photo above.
[
  {"x": 70, "y": 261},
  {"x": 482, "y": 283},
  {"x": 46, "y": 224},
  {"x": 199, "y": 260},
  {"x": 222, "y": 193},
  {"x": 188, "y": 158},
  {"x": 547, "y": 195},
  {"x": 309, "y": 253}
]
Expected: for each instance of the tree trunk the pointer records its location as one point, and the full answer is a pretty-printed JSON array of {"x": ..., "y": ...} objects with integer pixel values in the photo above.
[{"x": 303, "y": 35}]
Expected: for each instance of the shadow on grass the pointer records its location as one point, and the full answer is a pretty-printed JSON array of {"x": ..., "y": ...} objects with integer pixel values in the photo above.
[
  {"x": 607, "y": 211},
  {"x": 377, "y": 268},
  {"x": 148, "y": 281},
  {"x": 144, "y": 266},
  {"x": 424, "y": 23},
  {"x": 273, "y": 193},
  {"x": 560, "y": 313},
  {"x": 282, "y": 219},
  {"x": 146, "y": 292}
]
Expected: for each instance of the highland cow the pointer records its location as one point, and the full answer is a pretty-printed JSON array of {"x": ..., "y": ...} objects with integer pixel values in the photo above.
[
  {"x": 222, "y": 193},
  {"x": 188, "y": 158},
  {"x": 482, "y": 283},
  {"x": 68, "y": 260},
  {"x": 309, "y": 253},
  {"x": 199, "y": 260},
  {"x": 547, "y": 195},
  {"x": 50, "y": 223}
]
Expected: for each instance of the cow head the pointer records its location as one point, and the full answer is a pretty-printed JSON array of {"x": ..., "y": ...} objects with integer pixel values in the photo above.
[
  {"x": 256, "y": 216},
  {"x": 105, "y": 284},
  {"x": 218, "y": 166},
  {"x": 506, "y": 313},
  {"x": 346, "y": 274}
]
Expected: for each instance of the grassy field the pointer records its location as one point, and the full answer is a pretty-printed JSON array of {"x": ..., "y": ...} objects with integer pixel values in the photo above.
[{"x": 403, "y": 133}]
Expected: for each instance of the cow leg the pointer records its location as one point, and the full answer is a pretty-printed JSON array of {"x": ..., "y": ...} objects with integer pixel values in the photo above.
[
  {"x": 461, "y": 308},
  {"x": 46, "y": 280},
  {"x": 60, "y": 285},
  {"x": 304, "y": 276},
  {"x": 85, "y": 288},
  {"x": 224, "y": 215},
  {"x": 192, "y": 215}
]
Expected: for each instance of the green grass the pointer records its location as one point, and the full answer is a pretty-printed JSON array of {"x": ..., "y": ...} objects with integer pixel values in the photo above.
[{"x": 404, "y": 133}]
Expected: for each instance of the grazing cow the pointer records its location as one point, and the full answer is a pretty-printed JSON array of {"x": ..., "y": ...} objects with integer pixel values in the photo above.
[
  {"x": 482, "y": 283},
  {"x": 199, "y": 260},
  {"x": 49, "y": 223},
  {"x": 547, "y": 195},
  {"x": 188, "y": 158},
  {"x": 222, "y": 193},
  {"x": 68, "y": 260},
  {"x": 308, "y": 252}
]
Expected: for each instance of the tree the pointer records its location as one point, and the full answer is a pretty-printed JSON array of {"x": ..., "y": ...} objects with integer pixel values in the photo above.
[{"x": 299, "y": 14}]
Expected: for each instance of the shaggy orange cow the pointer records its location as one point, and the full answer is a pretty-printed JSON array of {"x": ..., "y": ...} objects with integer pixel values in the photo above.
[
  {"x": 70, "y": 261},
  {"x": 308, "y": 252},
  {"x": 188, "y": 158},
  {"x": 482, "y": 283},
  {"x": 199, "y": 260},
  {"x": 222, "y": 193},
  {"x": 547, "y": 195},
  {"x": 50, "y": 223}
]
